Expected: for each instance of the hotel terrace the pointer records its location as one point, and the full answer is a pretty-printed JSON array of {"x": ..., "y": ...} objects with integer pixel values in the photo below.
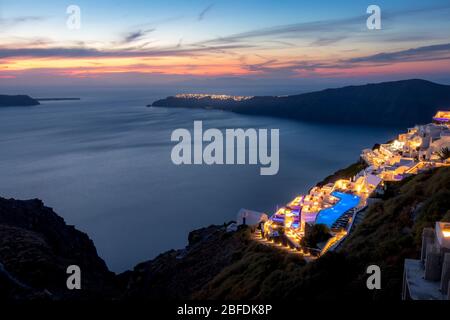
[{"x": 338, "y": 205}]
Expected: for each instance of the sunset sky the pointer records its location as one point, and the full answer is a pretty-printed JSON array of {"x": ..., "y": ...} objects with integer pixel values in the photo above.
[{"x": 124, "y": 42}]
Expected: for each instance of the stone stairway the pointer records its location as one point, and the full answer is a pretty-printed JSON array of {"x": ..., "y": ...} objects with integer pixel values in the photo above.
[
  {"x": 359, "y": 217},
  {"x": 343, "y": 221},
  {"x": 257, "y": 236}
]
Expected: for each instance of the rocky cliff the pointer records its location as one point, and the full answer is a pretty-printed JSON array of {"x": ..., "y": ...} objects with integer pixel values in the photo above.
[{"x": 37, "y": 246}]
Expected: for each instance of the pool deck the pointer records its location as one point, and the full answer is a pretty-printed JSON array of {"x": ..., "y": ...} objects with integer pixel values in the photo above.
[{"x": 330, "y": 215}]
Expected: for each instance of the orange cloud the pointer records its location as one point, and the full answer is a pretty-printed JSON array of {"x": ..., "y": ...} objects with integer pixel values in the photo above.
[
  {"x": 166, "y": 65},
  {"x": 216, "y": 65}
]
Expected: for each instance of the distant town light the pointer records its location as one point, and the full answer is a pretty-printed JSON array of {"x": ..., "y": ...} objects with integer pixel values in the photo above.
[{"x": 212, "y": 96}]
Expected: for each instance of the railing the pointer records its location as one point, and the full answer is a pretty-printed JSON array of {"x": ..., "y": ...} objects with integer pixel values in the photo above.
[
  {"x": 333, "y": 246},
  {"x": 349, "y": 230}
]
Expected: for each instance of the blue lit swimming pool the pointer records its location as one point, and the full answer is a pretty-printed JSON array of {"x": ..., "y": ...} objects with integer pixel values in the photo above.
[{"x": 330, "y": 215}]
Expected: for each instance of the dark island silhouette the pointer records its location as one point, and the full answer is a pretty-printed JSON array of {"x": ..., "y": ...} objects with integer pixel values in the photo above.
[
  {"x": 395, "y": 103},
  {"x": 17, "y": 101},
  {"x": 25, "y": 100}
]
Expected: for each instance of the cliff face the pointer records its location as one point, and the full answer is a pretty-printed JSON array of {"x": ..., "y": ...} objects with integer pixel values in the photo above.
[
  {"x": 17, "y": 101},
  {"x": 215, "y": 265},
  {"x": 248, "y": 270},
  {"x": 404, "y": 103},
  {"x": 177, "y": 274},
  {"x": 390, "y": 232},
  {"x": 37, "y": 246}
]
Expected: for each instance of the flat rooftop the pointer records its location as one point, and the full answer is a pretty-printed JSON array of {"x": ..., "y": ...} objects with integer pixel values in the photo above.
[
  {"x": 442, "y": 116},
  {"x": 419, "y": 288}
]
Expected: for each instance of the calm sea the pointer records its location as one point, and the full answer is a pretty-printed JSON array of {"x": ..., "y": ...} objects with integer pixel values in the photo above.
[{"x": 103, "y": 163}]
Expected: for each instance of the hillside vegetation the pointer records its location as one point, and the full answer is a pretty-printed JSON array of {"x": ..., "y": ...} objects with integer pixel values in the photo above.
[
  {"x": 37, "y": 245},
  {"x": 390, "y": 233}
]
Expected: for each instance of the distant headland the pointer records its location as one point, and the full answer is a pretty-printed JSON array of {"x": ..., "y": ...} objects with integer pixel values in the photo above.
[
  {"x": 25, "y": 100},
  {"x": 17, "y": 101},
  {"x": 405, "y": 102}
]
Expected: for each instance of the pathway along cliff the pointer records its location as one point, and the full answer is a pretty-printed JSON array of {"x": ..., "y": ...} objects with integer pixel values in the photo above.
[{"x": 36, "y": 246}]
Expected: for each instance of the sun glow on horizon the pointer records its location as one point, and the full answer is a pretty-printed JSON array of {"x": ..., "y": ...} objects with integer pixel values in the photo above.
[{"x": 224, "y": 41}]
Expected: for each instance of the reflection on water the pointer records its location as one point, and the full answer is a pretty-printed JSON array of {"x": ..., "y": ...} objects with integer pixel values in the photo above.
[{"x": 104, "y": 165}]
